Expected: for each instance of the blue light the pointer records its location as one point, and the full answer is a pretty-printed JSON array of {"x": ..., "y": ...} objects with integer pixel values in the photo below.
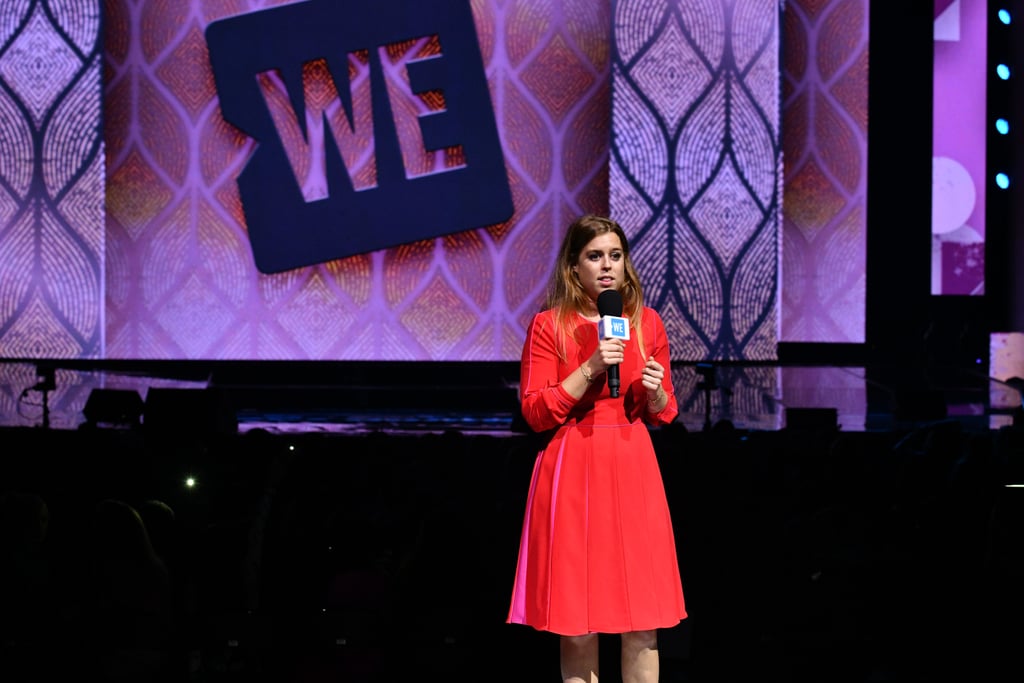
[
  {"x": 1003, "y": 126},
  {"x": 1003, "y": 71},
  {"x": 1004, "y": 16},
  {"x": 1002, "y": 180}
]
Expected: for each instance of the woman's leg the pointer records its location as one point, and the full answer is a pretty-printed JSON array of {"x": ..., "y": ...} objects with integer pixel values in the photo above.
[
  {"x": 579, "y": 658},
  {"x": 640, "y": 657}
]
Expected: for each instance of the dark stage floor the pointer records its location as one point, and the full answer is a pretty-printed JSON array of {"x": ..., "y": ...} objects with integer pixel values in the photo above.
[{"x": 353, "y": 531}]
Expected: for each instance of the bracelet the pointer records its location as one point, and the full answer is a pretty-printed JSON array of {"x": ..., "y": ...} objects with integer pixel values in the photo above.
[
  {"x": 654, "y": 401},
  {"x": 586, "y": 374}
]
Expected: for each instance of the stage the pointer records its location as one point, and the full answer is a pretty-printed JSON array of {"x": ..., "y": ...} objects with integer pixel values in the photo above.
[
  {"x": 360, "y": 521},
  {"x": 290, "y": 396}
]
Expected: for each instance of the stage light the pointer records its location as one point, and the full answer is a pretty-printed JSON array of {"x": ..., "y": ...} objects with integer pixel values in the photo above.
[
  {"x": 1004, "y": 16},
  {"x": 1003, "y": 71},
  {"x": 1002, "y": 126},
  {"x": 1002, "y": 180}
]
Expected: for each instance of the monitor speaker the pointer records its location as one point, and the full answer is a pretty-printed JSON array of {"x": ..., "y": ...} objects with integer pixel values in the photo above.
[{"x": 113, "y": 408}]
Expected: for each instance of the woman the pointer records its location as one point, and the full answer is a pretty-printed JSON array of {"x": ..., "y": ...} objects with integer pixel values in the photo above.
[{"x": 597, "y": 553}]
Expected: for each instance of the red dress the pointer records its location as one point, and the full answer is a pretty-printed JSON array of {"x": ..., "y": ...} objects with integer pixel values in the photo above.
[{"x": 597, "y": 553}]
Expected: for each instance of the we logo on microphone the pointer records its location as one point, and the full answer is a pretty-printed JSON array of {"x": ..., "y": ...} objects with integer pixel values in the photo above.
[
  {"x": 373, "y": 126},
  {"x": 613, "y": 327}
]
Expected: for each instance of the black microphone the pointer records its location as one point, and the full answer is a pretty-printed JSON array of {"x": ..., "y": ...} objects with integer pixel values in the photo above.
[{"x": 609, "y": 306}]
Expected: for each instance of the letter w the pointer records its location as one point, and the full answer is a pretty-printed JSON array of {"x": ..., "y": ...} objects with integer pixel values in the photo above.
[{"x": 351, "y": 127}]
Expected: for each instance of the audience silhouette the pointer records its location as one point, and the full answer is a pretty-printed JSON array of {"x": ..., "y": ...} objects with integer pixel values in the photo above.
[
  {"x": 129, "y": 615},
  {"x": 27, "y": 612}
]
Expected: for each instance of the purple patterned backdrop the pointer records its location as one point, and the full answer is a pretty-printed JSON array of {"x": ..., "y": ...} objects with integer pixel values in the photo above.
[
  {"x": 52, "y": 167},
  {"x": 696, "y": 168},
  {"x": 159, "y": 267},
  {"x": 696, "y": 178},
  {"x": 51, "y": 180},
  {"x": 824, "y": 136}
]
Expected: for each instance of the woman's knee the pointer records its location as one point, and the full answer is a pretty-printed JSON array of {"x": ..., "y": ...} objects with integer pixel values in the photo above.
[
  {"x": 640, "y": 640},
  {"x": 579, "y": 642}
]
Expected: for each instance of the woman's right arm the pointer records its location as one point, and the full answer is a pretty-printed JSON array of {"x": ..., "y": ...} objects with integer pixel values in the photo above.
[{"x": 545, "y": 397}]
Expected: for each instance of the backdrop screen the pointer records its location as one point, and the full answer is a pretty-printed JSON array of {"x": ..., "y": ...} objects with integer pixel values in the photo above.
[{"x": 360, "y": 188}]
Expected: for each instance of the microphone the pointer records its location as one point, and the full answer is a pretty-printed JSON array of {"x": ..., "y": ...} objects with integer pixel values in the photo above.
[{"x": 614, "y": 326}]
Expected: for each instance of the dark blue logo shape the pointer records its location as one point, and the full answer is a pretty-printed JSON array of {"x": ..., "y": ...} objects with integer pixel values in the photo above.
[{"x": 289, "y": 229}]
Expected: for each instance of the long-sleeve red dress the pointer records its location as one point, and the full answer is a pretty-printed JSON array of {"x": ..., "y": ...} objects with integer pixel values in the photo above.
[{"x": 597, "y": 552}]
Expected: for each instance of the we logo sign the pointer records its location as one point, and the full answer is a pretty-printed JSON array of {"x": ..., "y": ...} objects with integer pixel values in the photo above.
[{"x": 373, "y": 122}]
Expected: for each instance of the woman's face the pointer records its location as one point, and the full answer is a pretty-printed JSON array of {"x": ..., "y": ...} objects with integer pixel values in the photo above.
[{"x": 601, "y": 264}]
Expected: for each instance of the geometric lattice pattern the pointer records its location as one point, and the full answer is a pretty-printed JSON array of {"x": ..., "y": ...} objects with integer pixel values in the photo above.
[
  {"x": 696, "y": 168},
  {"x": 51, "y": 186},
  {"x": 825, "y": 98},
  {"x": 51, "y": 180}
]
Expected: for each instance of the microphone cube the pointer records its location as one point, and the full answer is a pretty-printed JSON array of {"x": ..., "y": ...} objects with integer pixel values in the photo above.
[{"x": 614, "y": 327}]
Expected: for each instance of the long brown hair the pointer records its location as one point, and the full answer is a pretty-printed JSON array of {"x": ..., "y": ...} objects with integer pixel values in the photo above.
[{"x": 565, "y": 293}]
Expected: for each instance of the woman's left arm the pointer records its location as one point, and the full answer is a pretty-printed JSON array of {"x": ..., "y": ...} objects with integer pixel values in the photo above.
[{"x": 656, "y": 377}]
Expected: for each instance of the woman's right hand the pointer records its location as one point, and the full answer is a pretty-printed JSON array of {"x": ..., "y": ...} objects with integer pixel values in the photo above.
[{"x": 609, "y": 352}]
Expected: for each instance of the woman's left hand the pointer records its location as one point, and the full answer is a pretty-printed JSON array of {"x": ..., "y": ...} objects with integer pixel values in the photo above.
[{"x": 653, "y": 375}]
